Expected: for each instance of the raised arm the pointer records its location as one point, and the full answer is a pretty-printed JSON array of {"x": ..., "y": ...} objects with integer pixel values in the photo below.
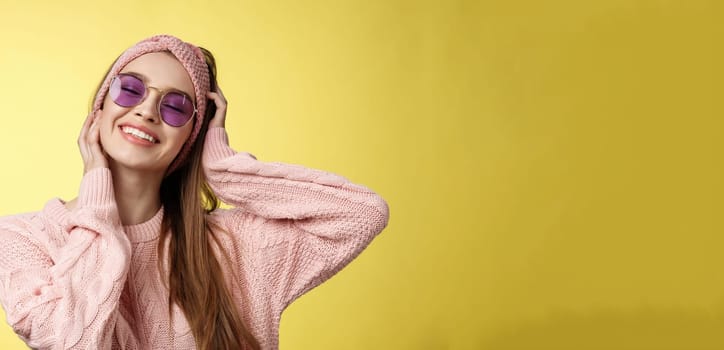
[
  {"x": 65, "y": 295},
  {"x": 318, "y": 221},
  {"x": 276, "y": 190},
  {"x": 62, "y": 292}
]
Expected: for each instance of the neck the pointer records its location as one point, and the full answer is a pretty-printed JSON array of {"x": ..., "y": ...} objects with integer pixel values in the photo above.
[{"x": 137, "y": 193}]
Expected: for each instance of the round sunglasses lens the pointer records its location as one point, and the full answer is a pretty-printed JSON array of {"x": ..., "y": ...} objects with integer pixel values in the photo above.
[
  {"x": 127, "y": 90},
  {"x": 176, "y": 109}
]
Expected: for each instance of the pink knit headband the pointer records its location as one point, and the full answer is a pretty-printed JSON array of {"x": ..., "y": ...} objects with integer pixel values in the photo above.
[{"x": 190, "y": 57}]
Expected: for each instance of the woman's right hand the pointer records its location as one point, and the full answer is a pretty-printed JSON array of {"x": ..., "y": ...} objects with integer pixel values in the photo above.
[{"x": 89, "y": 143}]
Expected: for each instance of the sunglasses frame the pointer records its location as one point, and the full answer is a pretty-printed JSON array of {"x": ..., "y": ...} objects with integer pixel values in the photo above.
[{"x": 163, "y": 94}]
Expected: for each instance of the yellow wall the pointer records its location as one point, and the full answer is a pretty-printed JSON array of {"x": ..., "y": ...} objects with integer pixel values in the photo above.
[{"x": 553, "y": 168}]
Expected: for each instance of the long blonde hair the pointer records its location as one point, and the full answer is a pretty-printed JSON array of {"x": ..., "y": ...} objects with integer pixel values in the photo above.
[{"x": 196, "y": 281}]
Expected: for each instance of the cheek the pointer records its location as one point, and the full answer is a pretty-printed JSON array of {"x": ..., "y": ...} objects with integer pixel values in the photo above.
[
  {"x": 180, "y": 136},
  {"x": 105, "y": 119},
  {"x": 104, "y": 126}
]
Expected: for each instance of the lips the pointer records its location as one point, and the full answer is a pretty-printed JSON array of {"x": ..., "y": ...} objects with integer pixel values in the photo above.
[{"x": 139, "y": 132}]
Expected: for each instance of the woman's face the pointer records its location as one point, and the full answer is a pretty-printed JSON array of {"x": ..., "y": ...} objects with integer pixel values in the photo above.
[{"x": 161, "y": 70}]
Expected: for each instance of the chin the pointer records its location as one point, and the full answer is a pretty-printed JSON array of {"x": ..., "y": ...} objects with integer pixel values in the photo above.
[{"x": 135, "y": 162}]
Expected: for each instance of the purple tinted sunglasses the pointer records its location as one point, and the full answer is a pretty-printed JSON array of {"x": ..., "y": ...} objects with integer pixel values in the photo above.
[{"x": 175, "y": 107}]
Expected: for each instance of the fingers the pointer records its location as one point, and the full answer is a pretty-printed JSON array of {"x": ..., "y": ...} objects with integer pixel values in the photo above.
[
  {"x": 94, "y": 140},
  {"x": 85, "y": 127},
  {"x": 82, "y": 138},
  {"x": 221, "y": 94},
  {"x": 90, "y": 145},
  {"x": 218, "y": 98},
  {"x": 219, "y": 119}
]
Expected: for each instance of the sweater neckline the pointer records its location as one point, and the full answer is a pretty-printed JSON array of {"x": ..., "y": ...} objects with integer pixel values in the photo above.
[{"x": 142, "y": 232}]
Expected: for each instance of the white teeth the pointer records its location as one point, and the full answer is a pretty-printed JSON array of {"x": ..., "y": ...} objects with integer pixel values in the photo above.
[{"x": 138, "y": 133}]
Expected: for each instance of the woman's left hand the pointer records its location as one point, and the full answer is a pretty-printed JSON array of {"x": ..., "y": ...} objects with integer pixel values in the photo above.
[{"x": 219, "y": 119}]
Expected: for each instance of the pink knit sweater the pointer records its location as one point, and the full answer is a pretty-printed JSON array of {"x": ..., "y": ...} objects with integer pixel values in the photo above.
[{"x": 80, "y": 279}]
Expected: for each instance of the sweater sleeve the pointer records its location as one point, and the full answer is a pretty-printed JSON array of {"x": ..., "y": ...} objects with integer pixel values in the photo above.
[
  {"x": 66, "y": 297},
  {"x": 308, "y": 224}
]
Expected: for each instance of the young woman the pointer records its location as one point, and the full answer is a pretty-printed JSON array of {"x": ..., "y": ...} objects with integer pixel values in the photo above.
[{"x": 144, "y": 258}]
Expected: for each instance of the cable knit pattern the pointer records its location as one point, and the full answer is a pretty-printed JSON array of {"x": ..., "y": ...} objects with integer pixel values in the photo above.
[{"x": 80, "y": 280}]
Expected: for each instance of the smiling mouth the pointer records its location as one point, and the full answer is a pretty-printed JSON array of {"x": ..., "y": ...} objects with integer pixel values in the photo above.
[{"x": 138, "y": 134}]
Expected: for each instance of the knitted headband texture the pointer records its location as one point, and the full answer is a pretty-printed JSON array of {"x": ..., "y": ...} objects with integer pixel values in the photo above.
[{"x": 190, "y": 57}]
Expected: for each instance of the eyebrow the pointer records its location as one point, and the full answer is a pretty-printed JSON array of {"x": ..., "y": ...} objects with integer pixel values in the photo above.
[{"x": 145, "y": 80}]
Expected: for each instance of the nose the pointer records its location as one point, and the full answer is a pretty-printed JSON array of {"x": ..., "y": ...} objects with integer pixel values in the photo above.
[{"x": 148, "y": 108}]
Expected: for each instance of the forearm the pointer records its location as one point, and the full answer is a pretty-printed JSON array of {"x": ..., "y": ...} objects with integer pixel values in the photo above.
[
  {"x": 69, "y": 299},
  {"x": 285, "y": 191}
]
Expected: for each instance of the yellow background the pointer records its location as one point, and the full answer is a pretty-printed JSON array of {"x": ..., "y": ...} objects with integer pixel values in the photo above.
[{"x": 553, "y": 168}]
